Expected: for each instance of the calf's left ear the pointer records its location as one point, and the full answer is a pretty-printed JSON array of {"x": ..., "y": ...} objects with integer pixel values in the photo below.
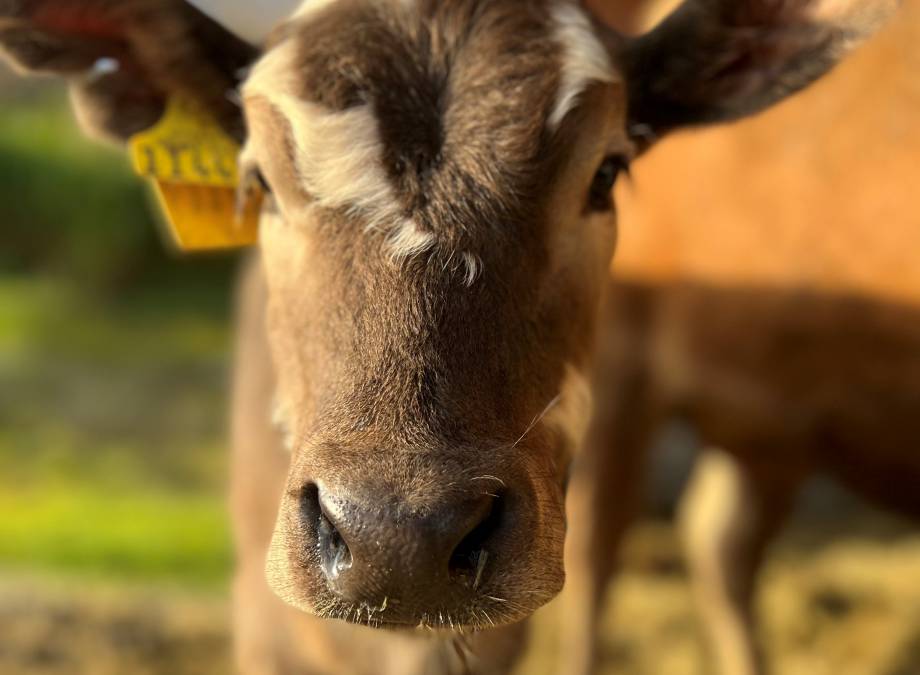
[
  {"x": 124, "y": 58},
  {"x": 719, "y": 60}
]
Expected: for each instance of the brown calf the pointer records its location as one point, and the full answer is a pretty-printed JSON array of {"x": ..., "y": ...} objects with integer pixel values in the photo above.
[
  {"x": 432, "y": 262},
  {"x": 781, "y": 384},
  {"x": 722, "y": 232}
]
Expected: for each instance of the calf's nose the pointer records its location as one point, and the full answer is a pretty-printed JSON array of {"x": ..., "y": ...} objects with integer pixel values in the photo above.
[{"x": 371, "y": 556}]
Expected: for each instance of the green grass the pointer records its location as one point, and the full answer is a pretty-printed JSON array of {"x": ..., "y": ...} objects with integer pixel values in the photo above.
[
  {"x": 113, "y": 356},
  {"x": 62, "y": 196},
  {"x": 72, "y": 207},
  {"x": 112, "y": 435},
  {"x": 113, "y": 365},
  {"x": 44, "y": 318},
  {"x": 131, "y": 534}
]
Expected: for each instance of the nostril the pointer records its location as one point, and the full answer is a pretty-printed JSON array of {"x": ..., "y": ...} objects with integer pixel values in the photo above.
[
  {"x": 335, "y": 556},
  {"x": 469, "y": 559}
]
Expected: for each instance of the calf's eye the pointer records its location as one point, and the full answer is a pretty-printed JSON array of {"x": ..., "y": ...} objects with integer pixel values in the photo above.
[
  {"x": 251, "y": 183},
  {"x": 259, "y": 179},
  {"x": 600, "y": 197}
]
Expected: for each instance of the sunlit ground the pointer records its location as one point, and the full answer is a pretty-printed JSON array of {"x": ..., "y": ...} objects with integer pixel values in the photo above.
[
  {"x": 114, "y": 545},
  {"x": 847, "y": 604}
]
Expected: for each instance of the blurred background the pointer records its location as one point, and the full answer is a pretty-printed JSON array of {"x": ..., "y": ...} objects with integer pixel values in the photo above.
[
  {"x": 114, "y": 544},
  {"x": 114, "y": 547}
]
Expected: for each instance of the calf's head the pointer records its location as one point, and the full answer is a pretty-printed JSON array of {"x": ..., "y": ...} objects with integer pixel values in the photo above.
[{"x": 435, "y": 244}]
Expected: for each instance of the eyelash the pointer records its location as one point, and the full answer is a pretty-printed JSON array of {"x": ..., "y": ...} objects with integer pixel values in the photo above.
[
  {"x": 251, "y": 181},
  {"x": 259, "y": 178},
  {"x": 600, "y": 197}
]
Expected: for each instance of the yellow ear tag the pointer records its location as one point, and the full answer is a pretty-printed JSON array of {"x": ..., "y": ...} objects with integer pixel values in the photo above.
[{"x": 192, "y": 163}]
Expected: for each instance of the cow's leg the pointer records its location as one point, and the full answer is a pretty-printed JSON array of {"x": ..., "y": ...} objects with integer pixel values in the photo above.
[
  {"x": 729, "y": 513},
  {"x": 605, "y": 492},
  {"x": 600, "y": 513}
]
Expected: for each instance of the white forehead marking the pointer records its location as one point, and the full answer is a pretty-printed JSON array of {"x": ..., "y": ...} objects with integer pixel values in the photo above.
[
  {"x": 339, "y": 155},
  {"x": 585, "y": 59},
  {"x": 406, "y": 239}
]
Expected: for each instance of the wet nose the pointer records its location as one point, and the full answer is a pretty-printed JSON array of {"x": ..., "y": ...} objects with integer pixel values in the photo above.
[{"x": 375, "y": 555}]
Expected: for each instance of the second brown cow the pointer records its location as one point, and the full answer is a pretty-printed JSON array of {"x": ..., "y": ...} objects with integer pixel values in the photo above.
[{"x": 768, "y": 294}]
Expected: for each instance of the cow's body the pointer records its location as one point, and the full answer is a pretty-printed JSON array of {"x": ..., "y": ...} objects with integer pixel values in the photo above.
[
  {"x": 791, "y": 382},
  {"x": 768, "y": 295}
]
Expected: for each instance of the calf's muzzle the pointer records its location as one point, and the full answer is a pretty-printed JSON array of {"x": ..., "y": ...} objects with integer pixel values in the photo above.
[{"x": 385, "y": 554}]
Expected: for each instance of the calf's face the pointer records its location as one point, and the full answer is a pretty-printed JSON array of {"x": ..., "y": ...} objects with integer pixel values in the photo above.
[{"x": 438, "y": 232}]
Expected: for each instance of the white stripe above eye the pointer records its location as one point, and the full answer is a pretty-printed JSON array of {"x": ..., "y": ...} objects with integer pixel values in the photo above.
[
  {"x": 584, "y": 58},
  {"x": 338, "y": 155}
]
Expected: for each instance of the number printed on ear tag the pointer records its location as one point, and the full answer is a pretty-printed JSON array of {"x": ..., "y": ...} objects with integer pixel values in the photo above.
[{"x": 193, "y": 165}]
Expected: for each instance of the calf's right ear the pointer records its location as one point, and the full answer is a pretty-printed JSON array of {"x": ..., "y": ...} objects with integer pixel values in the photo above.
[
  {"x": 124, "y": 58},
  {"x": 719, "y": 60}
]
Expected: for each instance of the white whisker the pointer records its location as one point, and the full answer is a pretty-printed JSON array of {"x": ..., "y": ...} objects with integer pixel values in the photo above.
[{"x": 536, "y": 420}]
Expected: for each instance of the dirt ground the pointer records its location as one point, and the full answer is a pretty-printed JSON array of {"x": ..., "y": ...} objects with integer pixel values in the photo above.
[
  {"x": 831, "y": 605},
  {"x": 59, "y": 629}
]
